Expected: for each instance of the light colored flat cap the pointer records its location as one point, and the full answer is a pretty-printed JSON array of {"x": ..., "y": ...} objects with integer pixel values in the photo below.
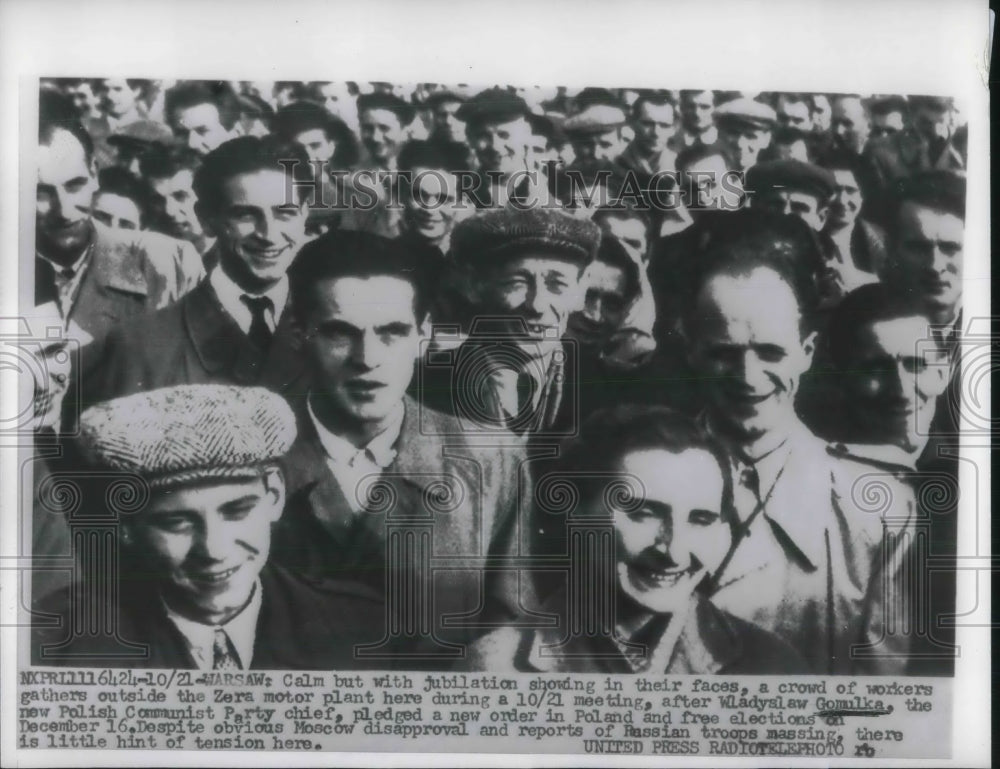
[
  {"x": 595, "y": 119},
  {"x": 186, "y": 434},
  {"x": 746, "y": 112}
]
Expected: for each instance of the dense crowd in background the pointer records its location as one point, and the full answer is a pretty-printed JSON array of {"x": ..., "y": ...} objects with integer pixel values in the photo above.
[{"x": 760, "y": 292}]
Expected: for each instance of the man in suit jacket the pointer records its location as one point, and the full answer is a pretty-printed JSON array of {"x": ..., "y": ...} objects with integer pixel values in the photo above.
[
  {"x": 525, "y": 269},
  {"x": 96, "y": 277},
  {"x": 379, "y": 483},
  {"x": 195, "y": 589},
  {"x": 234, "y": 327}
]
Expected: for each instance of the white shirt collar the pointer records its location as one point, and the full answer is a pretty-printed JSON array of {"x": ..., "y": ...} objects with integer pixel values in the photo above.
[
  {"x": 379, "y": 449},
  {"x": 229, "y": 295},
  {"x": 241, "y": 629}
]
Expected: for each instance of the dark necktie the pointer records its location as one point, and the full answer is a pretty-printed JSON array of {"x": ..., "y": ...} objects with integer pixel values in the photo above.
[
  {"x": 260, "y": 333},
  {"x": 224, "y": 656}
]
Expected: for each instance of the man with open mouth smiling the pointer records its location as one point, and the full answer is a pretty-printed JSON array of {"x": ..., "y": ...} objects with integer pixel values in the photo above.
[
  {"x": 632, "y": 468},
  {"x": 196, "y": 588},
  {"x": 812, "y": 560},
  {"x": 233, "y": 328}
]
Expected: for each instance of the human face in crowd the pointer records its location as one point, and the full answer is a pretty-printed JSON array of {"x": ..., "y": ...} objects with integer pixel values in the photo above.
[
  {"x": 705, "y": 179},
  {"x": 115, "y": 211},
  {"x": 432, "y": 207},
  {"x": 604, "y": 146},
  {"x": 846, "y": 202},
  {"x": 654, "y": 126},
  {"x": 697, "y": 110},
  {"x": 382, "y": 134},
  {"x": 929, "y": 253},
  {"x": 258, "y": 229},
  {"x": 631, "y": 233},
  {"x": 338, "y": 101},
  {"x": 804, "y": 205},
  {"x": 501, "y": 146},
  {"x": 605, "y": 304},
  {"x": 541, "y": 289},
  {"x": 447, "y": 126},
  {"x": 318, "y": 145},
  {"x": 895, "y": 379},
  {"x": 670, "y": 534},
  {"x": 86, "y": 102},
  {"x": 744, "y": 143},
  {"x": 362, "y": 337},
  {"x": 750, "y": 352},
  {"x": 200, "y": 128},
  {"x": 820, "y": 111},
  {"x": 119, "y": 97},
  {"x": 66, "y": 187},
  {"x": 208, "y": 543},
  {"x": 849, "y": 123},
  {"x": 887, "y": 124},
  {"x": 932, "y": 123},
  {"x": 794, "y": 114},
  {"x": 178, "y": 201}
]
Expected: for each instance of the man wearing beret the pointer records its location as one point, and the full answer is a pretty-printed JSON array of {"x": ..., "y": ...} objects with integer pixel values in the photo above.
[
  {"x": 525, "y": 272},
  {"x": 369, "y": 458},
  {"x": 196, "y": 589},
  {"x": 745, "y": 127},
  {"x": 233, "y": 327}
]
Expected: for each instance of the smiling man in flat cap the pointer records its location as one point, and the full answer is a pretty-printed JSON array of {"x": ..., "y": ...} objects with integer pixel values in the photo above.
[
  {"x": 524, "y": 270},
  {"x": 196, "y": 589}
]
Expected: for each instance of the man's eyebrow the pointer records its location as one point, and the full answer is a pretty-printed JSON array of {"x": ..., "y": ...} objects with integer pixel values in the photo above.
[{"x": 248, "y": 498}]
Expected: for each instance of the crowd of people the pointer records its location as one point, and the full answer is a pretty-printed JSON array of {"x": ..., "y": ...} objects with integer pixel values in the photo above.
[{"x": 498, "y": 378}]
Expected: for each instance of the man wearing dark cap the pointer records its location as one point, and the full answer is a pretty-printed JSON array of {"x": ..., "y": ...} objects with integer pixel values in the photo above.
[
  {"x": 196, "y": 589},
  {"x": 524, "y": 271},
  {"x": 930, "y": 143},
  {"x": 791, "y": 187},
  {"x": 447, "y": 126},
  {"x": 498, "y": 130},
  {"x": 745, "y": 127},
  {"x": 233, "y": 328}
]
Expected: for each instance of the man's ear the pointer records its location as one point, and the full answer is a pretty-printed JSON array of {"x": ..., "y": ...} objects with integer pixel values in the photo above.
[
  {"x": 939, "y": 376},
  {"x": 424, "y": 327},
  {"x": 298, "y": 331},
  {"x": 274, "y": 487}
]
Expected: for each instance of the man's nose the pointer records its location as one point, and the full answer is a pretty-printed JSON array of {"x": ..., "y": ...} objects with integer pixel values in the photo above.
[
  {"x": 213, "y": 542},
  {"x": 593, "y": 310},
  {"x": 752, "y": 371},
  {"x": 368, "y": 351}
]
